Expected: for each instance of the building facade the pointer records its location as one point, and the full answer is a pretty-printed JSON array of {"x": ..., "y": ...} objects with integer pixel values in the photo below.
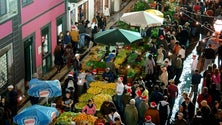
[
  {"x": 11, "y": 52},
  {"x": 40, "y": 27},
  {"x": 29, "y": 30},
  {"x": 28, "y": 37},
  {"x": 87, "y": 9}
]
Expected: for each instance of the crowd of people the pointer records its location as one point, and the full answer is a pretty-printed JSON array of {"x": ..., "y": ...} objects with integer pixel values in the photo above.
[{"x": 149, "y": 99}]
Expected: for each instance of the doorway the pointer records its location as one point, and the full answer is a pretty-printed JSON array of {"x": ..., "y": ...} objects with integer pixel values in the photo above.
[{"x": 29, "y": 58}]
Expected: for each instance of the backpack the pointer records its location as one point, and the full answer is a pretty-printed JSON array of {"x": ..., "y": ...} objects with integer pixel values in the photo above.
[
  {"x": 70, "y": 85},
  {"x": 163, "y": 110}
]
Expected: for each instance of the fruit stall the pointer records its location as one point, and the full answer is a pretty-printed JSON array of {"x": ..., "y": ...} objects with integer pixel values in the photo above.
[
  {"x": 95, "y": 56},
  {"x": 71, "y": 118},
  {"x": 99, "y": 91}
]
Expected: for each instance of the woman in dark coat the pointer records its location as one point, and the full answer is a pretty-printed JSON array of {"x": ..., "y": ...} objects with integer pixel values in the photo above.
[{"x": 58, "y": 58}]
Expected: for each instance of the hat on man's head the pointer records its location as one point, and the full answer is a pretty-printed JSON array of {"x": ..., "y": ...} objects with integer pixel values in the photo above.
[
  {"x": 35, "y": 75},
  {"x": 120, "y": 79},
  {"x": 77, "y": 55},
  {"x": 171, "y": 81},
  {"x": 94, "y": 71},
  {"x": 10, "y": 87},
  {"x": 132, "y": 101},
  {"x": 153, "y": 104},
  {"x": 187, "y": 24},
  {"x": 129, "y": 84},
  {"x": 161, "y": 37},
  {"x": 148, "y": 118}
]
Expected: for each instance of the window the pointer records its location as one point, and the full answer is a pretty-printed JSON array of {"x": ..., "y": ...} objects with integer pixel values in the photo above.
[
  {"x": 3, "y": 7},
  {"x": 46, "y": 49},
  {"x": 26, "y": 2},
  {"x": 8, "y": 9},
  {"x": 3, "y": 70}
]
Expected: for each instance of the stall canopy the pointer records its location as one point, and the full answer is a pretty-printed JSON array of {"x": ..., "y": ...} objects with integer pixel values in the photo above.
[
  {"x": 119, "y": 37},
  {"x": 36, "y": 115}
]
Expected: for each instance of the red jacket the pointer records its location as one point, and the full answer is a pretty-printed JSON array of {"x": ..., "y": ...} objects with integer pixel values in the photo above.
[{"x": 204, "y": 96}]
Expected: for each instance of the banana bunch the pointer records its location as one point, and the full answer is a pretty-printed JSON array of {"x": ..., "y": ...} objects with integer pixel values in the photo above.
[
  {"x": 120, "y": 58},
  {"x": 94, "y": 90},
  {"x": 100, "y": 98},
  {"x": 102, "y": 84},
  {"x": 85, "y": 97},
  {"x": 109, "y": 86},
  {"x": 80, "y": 105},
  {"x": 110, "y": 92},
  {"x": 96, "y": 84}
]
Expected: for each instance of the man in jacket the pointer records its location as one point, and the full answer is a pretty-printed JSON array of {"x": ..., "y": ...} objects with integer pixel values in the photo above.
[
  {"x": 75, "y": 38},
  {"x": 131, "y": 113}
]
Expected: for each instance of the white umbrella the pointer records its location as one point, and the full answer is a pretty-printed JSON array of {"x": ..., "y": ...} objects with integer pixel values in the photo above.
[{"x": 142, "y": 19}]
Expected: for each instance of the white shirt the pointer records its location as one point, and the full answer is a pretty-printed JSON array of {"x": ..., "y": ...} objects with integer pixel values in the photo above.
[
  {"x": 81, "y": 79},
  {"x": 194, "y": 65},
  {"x": 106, "y": 12},
  {"x": 112, "y": 117},
  {"x": 119, "y": 88},
  {"x": 182, "y": 53}
]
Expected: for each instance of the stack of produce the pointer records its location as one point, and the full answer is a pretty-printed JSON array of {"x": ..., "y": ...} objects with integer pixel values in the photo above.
[
  {"x": 85, "y": 119},
  {"x": 67, "y": 118},
  {"x": 96, "y": 54},
  {"x": 99, "y": 91},
  {"x": 121, "y": 57}
]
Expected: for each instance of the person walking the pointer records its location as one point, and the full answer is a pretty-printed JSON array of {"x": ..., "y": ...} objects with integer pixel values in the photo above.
[
  {"x": 76, "y": 65},
  {"x": 82, "y": 34},
  {"x": 119, "y": 95},
  {"x": 178, "y": 69},
  {"x": 209, "y": 55},
  {"x": 188, "y": 110},
  {"x": 180, "y": 120},
  {"x": 12, "y": 101},
  {"x": 58, "y": 58},
  {"x": 143, "y": 106},
  {"x": 4, "y": 112},
  {"x": 131, "y": 113},
  {"x": 75, "y": 38},
  {"x": 172, "y": 92},
  {"x": 195, "y": 81},
  {"x": 164, "y": 110},
  {"x": 148, "y": 120},
  {"x": 219, "y": 52},
  {"x": 154, "y": 113},
  {"x": 149, "y": 70}
]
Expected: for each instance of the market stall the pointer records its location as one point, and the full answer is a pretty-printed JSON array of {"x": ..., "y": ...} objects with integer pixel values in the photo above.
[
  {"x": 99, "y": 91},
  {"x": 71, "y": 118}
]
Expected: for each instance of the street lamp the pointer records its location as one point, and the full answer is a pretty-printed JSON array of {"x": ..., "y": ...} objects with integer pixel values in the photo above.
[{"x": 218, "y": 28}]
